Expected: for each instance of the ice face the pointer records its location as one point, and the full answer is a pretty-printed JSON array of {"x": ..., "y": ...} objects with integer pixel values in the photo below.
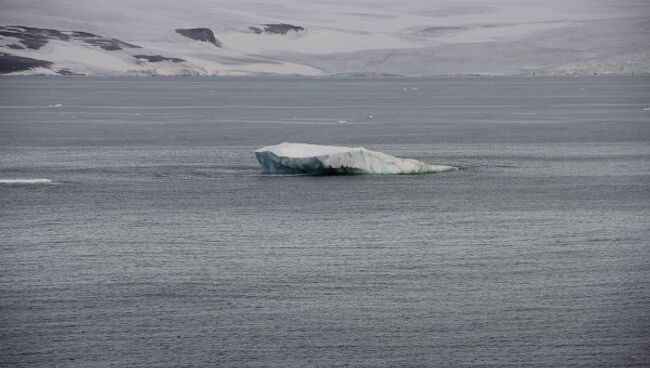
[{"x": 300, "y": 158}]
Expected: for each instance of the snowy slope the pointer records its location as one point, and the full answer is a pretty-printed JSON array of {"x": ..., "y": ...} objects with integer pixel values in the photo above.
[{"x": 412, "y": 37}]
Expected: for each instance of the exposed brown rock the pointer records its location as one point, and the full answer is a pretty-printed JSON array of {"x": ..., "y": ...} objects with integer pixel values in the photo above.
[
  {"x": 281, "y": 28},
  {"x": 67, "y": 72},
  {"x": 157, "y": 58},
  {"x": 110, "y": 44},
  {"x": 35, "y": 38},
  {"x": 12, "y": 63},
  {"x": 200, "y": 34}
]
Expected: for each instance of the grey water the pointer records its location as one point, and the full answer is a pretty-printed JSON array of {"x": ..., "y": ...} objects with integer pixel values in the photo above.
[{"x": 159, "y": 243}]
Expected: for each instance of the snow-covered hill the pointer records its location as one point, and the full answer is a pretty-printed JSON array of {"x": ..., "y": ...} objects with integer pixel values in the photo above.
[{"x": 410, "y": 37}]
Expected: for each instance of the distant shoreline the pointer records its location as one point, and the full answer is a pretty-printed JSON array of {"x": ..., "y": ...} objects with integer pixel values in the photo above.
[{"x": 332, "y": 76}]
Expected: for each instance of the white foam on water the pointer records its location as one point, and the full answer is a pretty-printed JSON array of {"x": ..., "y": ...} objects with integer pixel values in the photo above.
[{"x": 26, "y": 181}]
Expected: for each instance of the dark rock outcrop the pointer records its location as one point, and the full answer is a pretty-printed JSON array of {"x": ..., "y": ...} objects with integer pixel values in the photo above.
[
  {"x": 67, "y": 72},
  {"x": 12, "y": 63},
  {"x": 109, "y": 44},
  {"x": 157, "y": 58},
  {"x": 200, "y": 34},
  {"x": 82, "y": 34},
  {"x": 256, "y": 30},
  {"x": 35, "y": 38},
  {"x": 278, "y": 28}
]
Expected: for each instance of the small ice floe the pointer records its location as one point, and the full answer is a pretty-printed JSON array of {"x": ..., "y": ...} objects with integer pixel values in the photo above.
[
  {"x": 55, "y": 105},
  {"x": 25, "y": 181},
  {"x": 343, "y": 121},
  {"x": 301, "y": 158},
  {"x": 414, "y": 89}
]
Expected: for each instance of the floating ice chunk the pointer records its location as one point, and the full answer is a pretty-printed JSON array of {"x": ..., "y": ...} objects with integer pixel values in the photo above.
[
  {"x": 25, "y": 181},
  {"x": 300, "y": 158}
]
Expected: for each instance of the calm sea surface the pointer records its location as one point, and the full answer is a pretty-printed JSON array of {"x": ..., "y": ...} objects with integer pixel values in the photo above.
[{"x": 159, "y": 244}]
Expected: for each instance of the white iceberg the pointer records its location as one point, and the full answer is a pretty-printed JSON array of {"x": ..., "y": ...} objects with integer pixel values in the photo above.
[{"x": 300, "y": 158}]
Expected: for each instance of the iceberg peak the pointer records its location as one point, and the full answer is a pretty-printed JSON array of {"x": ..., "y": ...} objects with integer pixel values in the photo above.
[{"x": 302, "y": 158}]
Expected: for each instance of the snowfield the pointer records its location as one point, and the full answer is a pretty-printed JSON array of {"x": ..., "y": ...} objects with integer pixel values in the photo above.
[{"x": 409, "y": 37}]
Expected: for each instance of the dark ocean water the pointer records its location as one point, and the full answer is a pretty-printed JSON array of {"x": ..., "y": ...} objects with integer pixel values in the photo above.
[{"x": 159, "y": 244}]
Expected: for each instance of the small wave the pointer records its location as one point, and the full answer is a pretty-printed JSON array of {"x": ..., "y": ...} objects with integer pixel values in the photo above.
[{"x": 26, "y": 181}]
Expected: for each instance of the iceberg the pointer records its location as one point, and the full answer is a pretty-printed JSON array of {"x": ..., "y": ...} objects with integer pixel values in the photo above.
[{"x": 301, "y": 158}]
